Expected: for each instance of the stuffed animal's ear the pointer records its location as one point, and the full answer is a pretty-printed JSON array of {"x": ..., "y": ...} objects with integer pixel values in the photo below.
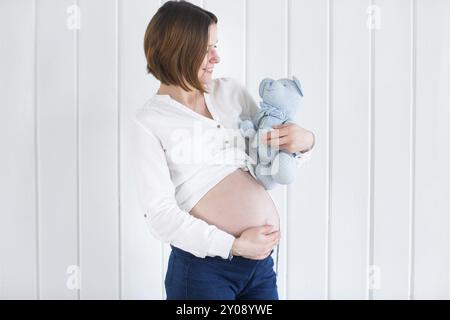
[
  {"x": 298, "y": 85},
  {"x": 262, "y": 85}
]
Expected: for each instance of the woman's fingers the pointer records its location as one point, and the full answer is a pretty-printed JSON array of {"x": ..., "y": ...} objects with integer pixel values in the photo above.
[
  {"x": 266, "y": 252},
  {"x": 277, "y": 133},
  {"x": 266, "y": 229},
  {"x": 278, "y": 142},
  {"x": 274, "y": 236}
]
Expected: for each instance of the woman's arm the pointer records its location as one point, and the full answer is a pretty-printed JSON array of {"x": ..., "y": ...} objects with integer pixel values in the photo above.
[
  {"x": 165, "y": 220},
  {"x": 294, "y": 139}
]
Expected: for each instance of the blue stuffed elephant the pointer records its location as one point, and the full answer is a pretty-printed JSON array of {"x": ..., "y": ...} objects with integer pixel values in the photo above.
[{"x": 281, "y": 100}]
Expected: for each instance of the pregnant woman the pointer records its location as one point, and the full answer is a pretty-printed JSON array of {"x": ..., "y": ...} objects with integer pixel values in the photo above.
[{"x": 196, "y": 184}]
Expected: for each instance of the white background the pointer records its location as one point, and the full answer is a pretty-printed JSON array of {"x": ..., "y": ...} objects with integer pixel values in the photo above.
[{"x": 369, "y": 214}]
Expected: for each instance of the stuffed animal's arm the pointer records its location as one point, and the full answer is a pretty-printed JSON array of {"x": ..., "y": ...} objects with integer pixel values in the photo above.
[{"x": 247, "y": 129}]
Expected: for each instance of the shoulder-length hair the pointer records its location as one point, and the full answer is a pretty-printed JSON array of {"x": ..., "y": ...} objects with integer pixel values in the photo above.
[{"x": 176, "y": 42}]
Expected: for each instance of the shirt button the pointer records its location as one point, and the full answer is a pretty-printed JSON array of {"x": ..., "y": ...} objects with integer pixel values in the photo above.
[
  {"x": 145, "y": 215},
  {"x": 218, "y": 126},
  {"x": 226, "y": 141}
]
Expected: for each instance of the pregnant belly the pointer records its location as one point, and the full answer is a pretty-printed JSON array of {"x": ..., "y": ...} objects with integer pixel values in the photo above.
[{"x": 237, "y": 203}]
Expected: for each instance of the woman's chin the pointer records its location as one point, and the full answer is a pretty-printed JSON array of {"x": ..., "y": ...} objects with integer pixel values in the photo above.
[{"x": 206, "y": 79}]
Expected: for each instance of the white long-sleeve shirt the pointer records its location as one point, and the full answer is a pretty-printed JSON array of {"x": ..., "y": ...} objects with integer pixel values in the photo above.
[{"x": 182, "y": 154}]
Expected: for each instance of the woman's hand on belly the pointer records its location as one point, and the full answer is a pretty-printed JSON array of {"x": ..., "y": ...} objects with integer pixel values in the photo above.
[{"x": 256, "y": 243}]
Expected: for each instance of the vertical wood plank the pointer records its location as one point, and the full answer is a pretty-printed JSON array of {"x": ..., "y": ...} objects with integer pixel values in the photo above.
[
  {"x": 267, "y": 58},
  {"x": 57, "y": 130},
  {"x": 350, "y": 145},
  {"x": 98, "y": 131},
  {"x": 307, "y": 196},
  {"x": 142, "y": 259},
  {"x": 432, "y": 174},
  {"x": 392, "y": 113},
  {"x": 18, "y": 219}
]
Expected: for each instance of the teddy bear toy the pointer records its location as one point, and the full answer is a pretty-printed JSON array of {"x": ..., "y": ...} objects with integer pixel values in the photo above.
[{"x": 281, "y": 100}]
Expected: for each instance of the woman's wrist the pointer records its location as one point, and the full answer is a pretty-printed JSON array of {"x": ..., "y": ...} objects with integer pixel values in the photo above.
[
  {"x": 312, "y": 142},
  {"x": 235, "y": 248}
]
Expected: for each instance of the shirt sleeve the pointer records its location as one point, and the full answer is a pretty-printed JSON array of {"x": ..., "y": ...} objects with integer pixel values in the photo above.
[
  {"x": 302, "y": 157},
  {"x": 250, "y": 108},
  {"x": 164, "y": 218}
]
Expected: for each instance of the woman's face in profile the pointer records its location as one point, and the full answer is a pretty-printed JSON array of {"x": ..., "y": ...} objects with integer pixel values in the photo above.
[{"x": 211, "y": 56}]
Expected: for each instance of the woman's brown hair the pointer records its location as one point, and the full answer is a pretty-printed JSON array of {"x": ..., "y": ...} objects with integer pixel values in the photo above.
[{"x": 175, "y": 43}]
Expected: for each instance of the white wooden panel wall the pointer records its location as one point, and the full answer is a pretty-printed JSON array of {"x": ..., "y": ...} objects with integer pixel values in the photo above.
[
  {"x": 368, "y": 216},
  {"x": 391, "y": 112},
  {"x": 57, "y": 138},
  {"x": 98, "y": 150},
  {"x": 307, "y": 196},
  {"x": 19, "y": 272},
  {"x": 431, "y": 194},
  {"x": 349, "y": 149}
]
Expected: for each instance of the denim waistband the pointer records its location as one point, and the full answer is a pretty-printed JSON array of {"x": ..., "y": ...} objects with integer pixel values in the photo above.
[{"x": 186, "y": 254}]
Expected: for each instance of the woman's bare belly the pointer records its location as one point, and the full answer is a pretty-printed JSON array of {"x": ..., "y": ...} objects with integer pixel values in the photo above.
[{"x": 237, "y": 203}]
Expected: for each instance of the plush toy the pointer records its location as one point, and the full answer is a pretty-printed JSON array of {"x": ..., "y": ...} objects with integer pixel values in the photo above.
[{"x": 281, "y": 100}]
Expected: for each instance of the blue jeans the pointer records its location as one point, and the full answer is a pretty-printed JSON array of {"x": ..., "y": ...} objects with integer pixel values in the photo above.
[{"x": 215, "y": 278}]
